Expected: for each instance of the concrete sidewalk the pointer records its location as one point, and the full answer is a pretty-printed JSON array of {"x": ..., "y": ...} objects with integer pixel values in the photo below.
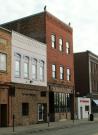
[{"x": 24, "y": 130}]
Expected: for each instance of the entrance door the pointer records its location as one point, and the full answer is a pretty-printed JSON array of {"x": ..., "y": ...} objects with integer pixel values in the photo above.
[
  {"x": 42, "y": 112},
  {"x": 81, "y": 113},
  {"x": 3, "y": 116}
]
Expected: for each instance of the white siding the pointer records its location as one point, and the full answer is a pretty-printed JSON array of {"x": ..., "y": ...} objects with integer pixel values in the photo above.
[{"x": 26, "y": 46}]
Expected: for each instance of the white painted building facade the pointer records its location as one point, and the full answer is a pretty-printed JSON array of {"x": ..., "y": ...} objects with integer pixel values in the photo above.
[
  {"x": 83, "y": 107},
  {"x": 29, "y": 61}
]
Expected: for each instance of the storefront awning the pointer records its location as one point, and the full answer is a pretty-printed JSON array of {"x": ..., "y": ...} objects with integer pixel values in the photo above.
[{"x": 96, "y": 102}]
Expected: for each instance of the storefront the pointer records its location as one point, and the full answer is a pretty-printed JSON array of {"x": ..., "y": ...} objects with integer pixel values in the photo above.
[{"x": 83, "y": 107}]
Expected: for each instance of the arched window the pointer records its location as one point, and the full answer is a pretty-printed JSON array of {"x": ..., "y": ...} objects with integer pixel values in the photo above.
[
  {"x": 17, "y": 65},
  {"x": 67, "y": 48},
  {"x": 34, "y": 69},
  {"x": 60, "y": 44},
  {"x": 26, "y": 67},
  {"x": 68, "y": 74},
  {"x": 41, "y": 70}
]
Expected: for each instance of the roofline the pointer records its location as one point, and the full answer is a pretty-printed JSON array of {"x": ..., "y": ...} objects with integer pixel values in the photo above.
[
  {"x": 5, "y": 29},
  {"x": 87, "y": 51},
  {"x": 22, "y": 18},
  {"x": 48, "y": 13},
  {"x": 57, "y": 19}
]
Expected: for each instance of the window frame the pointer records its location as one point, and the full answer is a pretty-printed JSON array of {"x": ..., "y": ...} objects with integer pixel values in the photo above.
[
  {"x": 60, "y": 44},
  {"x": 26, "y": 61},
  {"x": 67, "y": 47},
  {"x": 25, "y": 109},
  {"x": 18, "y": 59},
  {"x": 34, "y": 63},
  {"x": 5, "y": 65},
  {"x": 41, "y": 74},
  {"x": 53, "y": 40},
  {"x": 68, "y": 74},
  {"x": 53, "y": 71},
  {"x": 61, "y": 72}
]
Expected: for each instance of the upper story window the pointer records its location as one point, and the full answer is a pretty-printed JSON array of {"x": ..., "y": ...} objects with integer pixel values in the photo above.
[
  {"x": 34, "y": 69},
  {"x": 41, "y": 70},
  {"x": 61, "y": 72},
  {"x": 60, "y": 44},
  {"x": 3, "y": 61},
  {"x": 68, "y": 74},
  {"x": 3, "y": 41},
  {"x": 17, "y": 65},
  {"x": 54, "y": 71},
  {"x": 67, "y": 48},
  {"x": 53, "y": 41},
  {"x": 26, "y": 67}
]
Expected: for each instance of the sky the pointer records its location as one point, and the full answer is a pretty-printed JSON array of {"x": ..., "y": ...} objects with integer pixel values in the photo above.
[{"x": 82, "y": 14}]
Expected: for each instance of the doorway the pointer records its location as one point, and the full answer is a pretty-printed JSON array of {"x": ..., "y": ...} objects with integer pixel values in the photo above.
[
  {"x": 3, "y": 115},
  {"x": 42, "y": 112}
]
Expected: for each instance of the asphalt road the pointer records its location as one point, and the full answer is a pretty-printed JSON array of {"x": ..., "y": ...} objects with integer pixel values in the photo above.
[{"x": 84, "y": 129}]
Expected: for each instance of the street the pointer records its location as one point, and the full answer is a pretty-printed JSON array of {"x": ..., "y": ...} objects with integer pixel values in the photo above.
[{"x": 84, "y": 129}]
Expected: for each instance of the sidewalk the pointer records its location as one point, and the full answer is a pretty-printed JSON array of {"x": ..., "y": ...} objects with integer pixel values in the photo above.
[{"x": 23, "y": 130}]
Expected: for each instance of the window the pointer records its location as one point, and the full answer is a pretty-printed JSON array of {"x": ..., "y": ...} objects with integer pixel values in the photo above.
[
  {"x": 60, "y": 44},
  {"x": 61, "y": 102},
  {"x": 61, "y": 72},
  {"x": 68, "y": 74},
  {"x": 25, "y": 109},
  {"x": 3, "y": 61},
  {"x": 53, "y": 41},
  {"x": 34, "y": 69},
  {"x": 41, "y": 70},
  {"x": 3, "y": 41},
  {"x": 54, "y": 71},
  {"x": 43, "y": 93},
  {"x": 17, "y": 65},
  {"x": 67, "y": 48},
  {"x": 26, "y": 67},
  {"x": 86, "y": 108}
]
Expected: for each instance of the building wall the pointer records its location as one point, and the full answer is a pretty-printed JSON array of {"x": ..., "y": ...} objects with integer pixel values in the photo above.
[
  {"x": 26, "y": 94},
  {"x": 33, "y": 49},
  {"x": 5, "y": 47},
  {"x": 53, "y": 25},
  {"x": 93, "y": 73},
  {"x": 40, "y": 26},
  {"x": 81, "y": 70},
  {"x": 32, "y": 26}
]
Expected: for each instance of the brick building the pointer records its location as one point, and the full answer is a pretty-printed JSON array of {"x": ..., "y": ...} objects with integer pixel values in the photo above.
[
  {"x": 86, "y": 76},
  {"x": 23, "y": 79},
  {"x": 5, "y": 74},
  {"x": 60, "y": 70}
]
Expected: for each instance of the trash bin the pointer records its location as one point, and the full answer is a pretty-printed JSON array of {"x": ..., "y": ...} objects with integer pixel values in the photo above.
[{"x": 91, "y": 117}]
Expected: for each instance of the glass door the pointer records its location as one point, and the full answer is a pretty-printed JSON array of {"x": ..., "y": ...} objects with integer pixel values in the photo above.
[{"x": 40, "y": 112}]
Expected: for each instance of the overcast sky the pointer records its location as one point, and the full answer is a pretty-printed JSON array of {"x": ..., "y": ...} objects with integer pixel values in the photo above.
[{"x": 82, "y": 14}]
